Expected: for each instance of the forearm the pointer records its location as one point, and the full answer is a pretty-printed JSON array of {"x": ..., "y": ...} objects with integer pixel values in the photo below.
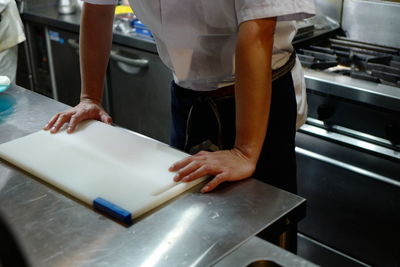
[
  {"x": 95, "y": 45},
  {"x": 253, "y": 86}
]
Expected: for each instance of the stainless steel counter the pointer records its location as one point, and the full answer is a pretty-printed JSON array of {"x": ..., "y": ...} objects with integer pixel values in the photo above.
[
  {"x": 49, "y": 16},
  {"x": 192, "y": 230},
  {"x": 257, "y": 252}
]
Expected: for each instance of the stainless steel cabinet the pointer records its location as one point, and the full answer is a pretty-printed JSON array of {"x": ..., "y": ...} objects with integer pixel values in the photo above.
[
  {"x": 38, "y": 59},
  {"x": 139, "y": 92},
  {"x": 64, "y": 63},
  {"x": 65, "y": 67}
]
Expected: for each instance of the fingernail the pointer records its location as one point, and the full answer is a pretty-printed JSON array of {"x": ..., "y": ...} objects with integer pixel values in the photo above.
[{"x": 206, "y": 188}]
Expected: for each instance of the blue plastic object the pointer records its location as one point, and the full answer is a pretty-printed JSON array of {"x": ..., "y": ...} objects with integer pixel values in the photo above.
[
  {"x": 138, "y": 24},
  {"x": 112, "y": 210},
  {"x": 4, "y": 87},
  {"x": 141, "y": 29},
  {"x": 143, "y": 32}
]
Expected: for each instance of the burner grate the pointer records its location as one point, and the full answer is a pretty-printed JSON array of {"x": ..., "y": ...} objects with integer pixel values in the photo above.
[
  {"x": 360, "y": 60},
  {"x": 363, "y": 76}
]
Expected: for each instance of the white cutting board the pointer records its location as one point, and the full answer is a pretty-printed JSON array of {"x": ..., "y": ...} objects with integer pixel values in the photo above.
[{"x": 99, "y": 160}]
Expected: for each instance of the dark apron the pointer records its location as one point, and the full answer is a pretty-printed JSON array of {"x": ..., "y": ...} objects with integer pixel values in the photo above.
[{"x": 206, "y": 121}]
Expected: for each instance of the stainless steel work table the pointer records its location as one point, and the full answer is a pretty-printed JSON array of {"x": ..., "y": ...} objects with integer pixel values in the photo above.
[{"x": 192, "y": 230}]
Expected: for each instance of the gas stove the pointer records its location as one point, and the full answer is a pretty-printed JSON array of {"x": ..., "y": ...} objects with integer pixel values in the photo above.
[
  {"x": 349, "y": 147},
  {"x": 348, "y": 151},
  {"x": 353, "y": 87},
  {"x": 356, "y": 59}
]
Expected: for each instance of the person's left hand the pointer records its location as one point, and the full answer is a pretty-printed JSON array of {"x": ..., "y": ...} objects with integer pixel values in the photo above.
[{"x": 225, "y": 165}]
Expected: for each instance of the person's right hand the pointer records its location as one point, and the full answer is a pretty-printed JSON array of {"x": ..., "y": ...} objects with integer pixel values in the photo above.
[{"x": 87, "y": 109}]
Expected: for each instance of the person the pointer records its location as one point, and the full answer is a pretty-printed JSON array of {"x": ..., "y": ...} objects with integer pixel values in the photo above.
[
  {"x": 238, "y": 93},
  {"x": 11, "y": 34}
]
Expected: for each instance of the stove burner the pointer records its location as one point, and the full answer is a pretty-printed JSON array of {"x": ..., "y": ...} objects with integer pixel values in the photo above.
[
  {"x": 363, "y": 76},
  {"x": 360, "y": 60}
]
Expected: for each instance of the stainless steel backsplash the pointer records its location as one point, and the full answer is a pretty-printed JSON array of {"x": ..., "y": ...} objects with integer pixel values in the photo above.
[
  {"x": 330, "y": 8},
  {"x": 372, "y": 21}
]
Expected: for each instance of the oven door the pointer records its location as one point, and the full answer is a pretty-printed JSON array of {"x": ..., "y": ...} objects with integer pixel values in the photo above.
[{"x": 352, "y": 189}]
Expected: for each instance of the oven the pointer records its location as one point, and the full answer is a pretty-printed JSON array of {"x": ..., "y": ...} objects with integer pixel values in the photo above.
[
  {"x": 348, "y": 152},
  {"x": 349, "y": 172}
]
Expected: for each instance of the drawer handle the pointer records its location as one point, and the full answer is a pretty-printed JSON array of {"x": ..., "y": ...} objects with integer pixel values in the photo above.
[
  {"x": 72, "y": 43},
  {"x": 141, "y": 62}
]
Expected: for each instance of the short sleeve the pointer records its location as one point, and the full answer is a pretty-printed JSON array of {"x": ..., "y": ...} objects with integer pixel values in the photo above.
[
  {"x": 284, "y": 10},
  {"x": 101, "y": 2}
]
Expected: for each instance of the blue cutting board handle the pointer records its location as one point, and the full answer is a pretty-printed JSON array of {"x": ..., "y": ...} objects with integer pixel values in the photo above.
[{"x": 112, "y": 210}]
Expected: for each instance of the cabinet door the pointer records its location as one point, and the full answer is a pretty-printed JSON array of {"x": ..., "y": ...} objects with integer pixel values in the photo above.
[
  {"x": 140, "y": 92},
  {"x": 38, "y": 58},
  {"x": 65, "y": 66}
]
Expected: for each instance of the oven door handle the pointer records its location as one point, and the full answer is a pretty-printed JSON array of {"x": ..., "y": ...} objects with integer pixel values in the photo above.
[
  {"x": 351, "y": 137},
  {"x": 346, "y": 166}
]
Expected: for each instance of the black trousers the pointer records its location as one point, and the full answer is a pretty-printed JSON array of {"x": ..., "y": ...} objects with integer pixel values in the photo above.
[{"x": 215, "y": 121}]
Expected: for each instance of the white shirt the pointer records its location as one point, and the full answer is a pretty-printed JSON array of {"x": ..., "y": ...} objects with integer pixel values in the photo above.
[
  {"x": 196, "y": 39},
  {"x": 11, "y": 28}
]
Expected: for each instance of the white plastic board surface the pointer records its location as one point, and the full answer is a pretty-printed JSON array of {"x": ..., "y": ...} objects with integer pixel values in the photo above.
[{"x": 99, "y": 160}]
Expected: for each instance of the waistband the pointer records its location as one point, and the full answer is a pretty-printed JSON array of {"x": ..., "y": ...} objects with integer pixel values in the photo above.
[{"x": 276, "y": 74}]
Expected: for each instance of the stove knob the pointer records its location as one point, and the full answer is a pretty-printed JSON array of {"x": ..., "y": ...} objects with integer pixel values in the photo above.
[
  {"x": 392, "y": 131},
  {"x": 325, "y": 111}
]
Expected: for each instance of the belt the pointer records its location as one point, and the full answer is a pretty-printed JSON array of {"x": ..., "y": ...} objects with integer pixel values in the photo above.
[{"x": 276, "y": 74}]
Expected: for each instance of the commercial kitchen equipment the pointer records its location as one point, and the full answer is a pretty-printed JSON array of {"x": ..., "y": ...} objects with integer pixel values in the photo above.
[
  {"x": 348, "y": 151},
  {"x": 193, "y": 229},
  {"x": 351, "y": 181}
]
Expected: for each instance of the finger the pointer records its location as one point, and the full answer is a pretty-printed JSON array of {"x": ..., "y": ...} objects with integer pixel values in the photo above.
[
  {"x": 63, "y": 118},
  {"x": 73, "y": 122},
  {"x": 214, "y": 183},
  {"x": 104, "y": 117},
  {"x": 51, "y": 122},
  {"x": 180, "y": 164},
  {"x": 200, "y": 172},
  {"x": 191, "y": 167}
]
